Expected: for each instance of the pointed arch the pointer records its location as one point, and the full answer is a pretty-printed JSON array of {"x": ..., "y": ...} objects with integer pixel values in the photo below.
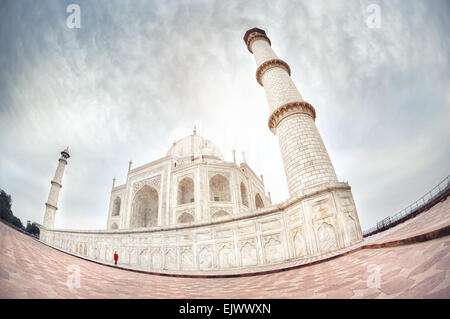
[
  {"x": 249, "y": 255},
  {"x": 244, "y": 196},
  {"x": 205, "y": 259},
  {"x": 144, "y": 210},
  {"x": 185, "y": 191},
  {"x": 258, "y": 201},
  {"x": 274, "y": 250},
  {"x": 116, "y": 206},
  {"x": 114, "y": 226},
  {"x": 351, "y": 229},
  {"x": 219, "y": 189}
]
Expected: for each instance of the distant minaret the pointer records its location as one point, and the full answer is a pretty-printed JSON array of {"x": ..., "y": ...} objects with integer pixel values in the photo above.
[
  {"x": 52, "y": 202},
  {"x": 306, "y": 161}
]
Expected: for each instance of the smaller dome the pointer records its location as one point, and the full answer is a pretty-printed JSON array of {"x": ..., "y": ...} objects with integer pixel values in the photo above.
[{"x": 195, "y": 147}]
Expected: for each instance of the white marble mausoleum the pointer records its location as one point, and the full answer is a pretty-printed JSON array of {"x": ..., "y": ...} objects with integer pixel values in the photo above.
[{"x": 191, "y": 210}]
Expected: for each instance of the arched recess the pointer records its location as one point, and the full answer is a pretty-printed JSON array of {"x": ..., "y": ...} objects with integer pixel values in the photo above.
[
  {"x": 219, "y": 189},
  {"x": 144, "y": 209},
  {"x": 244, "y": 195},
  {"x": 114, "y": 226},
  {"x": 258, "y": 201},
  {"x": 299, "y": 244},
  {"x": 274, "y": 251},
  {"x": 327, "y": 237},
  {"x": 116, "y": 207},
  {"x": 185, "y": 191},
  {"x": 249, "y": 255},
  {"x": 185, "y": 218},
  {"x": 352, "y": 232},
  {"x": 220, "y": 214}
]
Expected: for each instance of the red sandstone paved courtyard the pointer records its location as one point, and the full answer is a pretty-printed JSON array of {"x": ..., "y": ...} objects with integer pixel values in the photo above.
[{"x": 30, "y": 269}]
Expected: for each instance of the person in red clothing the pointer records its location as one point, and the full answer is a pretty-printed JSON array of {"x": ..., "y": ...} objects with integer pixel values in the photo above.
[{"x": 116, "y": 257}]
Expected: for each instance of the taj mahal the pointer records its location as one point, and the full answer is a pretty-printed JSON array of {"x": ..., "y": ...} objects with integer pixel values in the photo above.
[{"x": 191, "y": 210}]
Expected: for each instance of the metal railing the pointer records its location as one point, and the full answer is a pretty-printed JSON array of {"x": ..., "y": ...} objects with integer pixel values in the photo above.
[{"x": 425, "y": 202}]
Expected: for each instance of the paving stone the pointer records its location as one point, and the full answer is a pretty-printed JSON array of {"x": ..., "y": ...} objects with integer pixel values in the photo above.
[{"x": 420, "y": 270}]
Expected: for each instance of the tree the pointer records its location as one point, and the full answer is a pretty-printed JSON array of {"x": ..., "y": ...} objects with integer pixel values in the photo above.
[
  {"x": 5, "y": 210},
  {"x": 32, "y": 229},
  {"x": 17, "y": 222},
  {"x": 5, "y": 207}
]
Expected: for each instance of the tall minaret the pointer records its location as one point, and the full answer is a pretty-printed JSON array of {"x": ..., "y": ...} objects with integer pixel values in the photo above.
[
  {"x": 52, "y": 202},
  {"x": 306, "y": 161}
]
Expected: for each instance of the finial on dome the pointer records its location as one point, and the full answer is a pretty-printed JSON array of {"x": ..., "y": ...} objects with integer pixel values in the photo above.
[{"x": 195, "y": 130}]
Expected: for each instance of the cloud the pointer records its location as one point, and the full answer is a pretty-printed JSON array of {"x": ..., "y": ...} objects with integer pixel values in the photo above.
[{"x": 138, "y": 75}]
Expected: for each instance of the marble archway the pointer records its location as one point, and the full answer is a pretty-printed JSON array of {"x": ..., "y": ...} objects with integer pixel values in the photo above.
[
  {"x": 258, "y": 201},
  {"x": 144, "y": 210}
]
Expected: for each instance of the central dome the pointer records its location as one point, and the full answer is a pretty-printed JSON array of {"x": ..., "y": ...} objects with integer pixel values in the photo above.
[{"x": 195, "y": 147}]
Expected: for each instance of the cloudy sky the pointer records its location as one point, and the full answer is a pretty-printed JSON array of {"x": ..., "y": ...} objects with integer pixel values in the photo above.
[{"x": 138, "y": 75}]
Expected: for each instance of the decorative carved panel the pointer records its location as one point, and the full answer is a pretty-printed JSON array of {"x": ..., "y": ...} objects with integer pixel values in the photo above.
[
  {"x": 214, "y": 210},
  {"x": 273, "y": 248},
  {"x": 144, "y": 258},
  {"x": 154, "y": 181},
  {"x": 223, "y": 233},
  {"x": 299, "y": 242},
  {"x": 351, "y": 228},
  {"x": 204, "y": 235},
  {"x": 321, "y": 209},
  {"x": 249, "y": 252},
  {"x": 246, "y": 229},
  {"x": 171, "y": 259},
  {"x": 326, "y": 236},
  {"x": 187, "y": 258},
  {"x": 156, "y": 259},
  {"x": 270, "y": 225},
  {"x": 226, "y": 255},
  {"x": 205, "y": 258}
]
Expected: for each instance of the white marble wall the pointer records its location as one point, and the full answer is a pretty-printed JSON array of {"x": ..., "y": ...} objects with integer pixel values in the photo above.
[
  {"x": 320, "y": 221},
  {"x": 165, "y": 179}
]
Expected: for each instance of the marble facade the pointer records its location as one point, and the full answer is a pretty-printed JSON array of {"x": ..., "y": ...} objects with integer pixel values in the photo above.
[{"x": 193, "y": 211}]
